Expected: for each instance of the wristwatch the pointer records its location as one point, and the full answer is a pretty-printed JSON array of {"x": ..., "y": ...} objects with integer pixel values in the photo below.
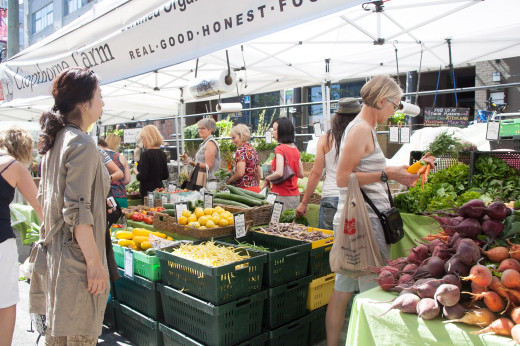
[{"x": 384, "y": 178}]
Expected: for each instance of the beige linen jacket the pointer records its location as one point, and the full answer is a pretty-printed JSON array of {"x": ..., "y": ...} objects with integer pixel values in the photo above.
[{"x": 72, "y": 191}]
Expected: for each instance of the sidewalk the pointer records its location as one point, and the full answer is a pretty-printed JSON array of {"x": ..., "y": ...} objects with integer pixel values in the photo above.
[{"x": 22, "y": 330}]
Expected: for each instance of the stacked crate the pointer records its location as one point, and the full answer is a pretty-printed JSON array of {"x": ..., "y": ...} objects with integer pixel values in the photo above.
[
  {"x": 135, "y": 308},
  {"x": 291, "y": 266},
  {"x": 212, "y": 305}
]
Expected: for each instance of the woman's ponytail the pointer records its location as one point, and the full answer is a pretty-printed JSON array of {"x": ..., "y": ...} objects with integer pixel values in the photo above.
[{"x": 50, "y": 122}]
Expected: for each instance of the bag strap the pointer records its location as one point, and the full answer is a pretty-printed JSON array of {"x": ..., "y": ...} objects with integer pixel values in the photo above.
[
  {"x": 284, "y": 156},
  {"x": 378, "y": 213}
]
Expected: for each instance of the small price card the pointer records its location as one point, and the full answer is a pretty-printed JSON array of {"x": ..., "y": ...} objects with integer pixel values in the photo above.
[
  {"x": 493, "y": 130},
  {"x": 405, "y": 135},
  {"x": 271, "y": 197},
  {"x": 129, "y": 264},
  {"x": 180, "y": 207},
  {"x": 394, "y": 134},
  {"x": 208, "y": 200},
  {"x": 150, "y": 199},
  {"x": 239, "y": 220},
  {"x": 268, "y": 137},
  {"x": 317, "y": 129},
  {"x": 172, "y": 186},
  {"x": 173, "y": 198},
  {"x": 164, "y": 199},
  {"x": 277, "y": 212}
]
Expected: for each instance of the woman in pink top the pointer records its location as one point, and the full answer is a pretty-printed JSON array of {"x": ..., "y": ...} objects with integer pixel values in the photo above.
[{"x": 285, "y": 153}]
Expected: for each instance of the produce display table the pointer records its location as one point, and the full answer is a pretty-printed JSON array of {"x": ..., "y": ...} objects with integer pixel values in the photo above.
[
  {"x": 415, "y": 227},
  {"x": 396, "y": 328}
]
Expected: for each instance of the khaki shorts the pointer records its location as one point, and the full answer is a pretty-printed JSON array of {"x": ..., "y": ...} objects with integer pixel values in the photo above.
[{"x": 9, "y": 272}]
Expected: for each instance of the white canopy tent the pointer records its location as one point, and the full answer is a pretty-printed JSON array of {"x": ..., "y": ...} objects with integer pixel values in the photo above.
[{"x": 278, "y": 53}]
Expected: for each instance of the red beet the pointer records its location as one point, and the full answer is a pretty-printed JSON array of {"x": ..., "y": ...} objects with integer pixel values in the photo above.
[
  {"x": 469, "y": 228},
  {"x": 386, "y": 280},
  {"x": 436, "y": 266},
  {"x": 497, "y": 210},
  {"x": 492, "y": 228},
  {"x": 468, "y": 252},
  {"x": 474, "y": 209}
]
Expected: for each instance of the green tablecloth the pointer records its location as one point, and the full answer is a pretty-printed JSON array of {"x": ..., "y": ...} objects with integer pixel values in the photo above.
[
  {"x": 396, "y": 328},
  {"x": 30, "y": 216},
  {"x": 415, "y": 227}
]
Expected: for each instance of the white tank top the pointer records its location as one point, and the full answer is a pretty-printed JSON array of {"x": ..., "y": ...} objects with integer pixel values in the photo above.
[{"x": 330, "y": 188}]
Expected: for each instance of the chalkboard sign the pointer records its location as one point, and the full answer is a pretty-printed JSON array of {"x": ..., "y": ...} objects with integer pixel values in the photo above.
[{"x": 439, "y": 116}]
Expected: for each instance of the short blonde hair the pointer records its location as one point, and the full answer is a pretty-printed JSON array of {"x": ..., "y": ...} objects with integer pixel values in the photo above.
[
  {"x": 113, "y": 141},
  {"x": 208, "y": 123},
  {"x": 151, "y": 135},
  {"x": 18, "y": 143},
  {"x": 242, "y": 131},
  {"x": 380, "y": 87}
]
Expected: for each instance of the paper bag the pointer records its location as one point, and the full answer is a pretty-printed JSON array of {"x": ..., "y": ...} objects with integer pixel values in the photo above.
[{"x": 355, "y": 245}]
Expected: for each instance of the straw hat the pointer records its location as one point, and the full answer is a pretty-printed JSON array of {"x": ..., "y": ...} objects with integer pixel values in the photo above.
[{"x": 348, "y": 105}]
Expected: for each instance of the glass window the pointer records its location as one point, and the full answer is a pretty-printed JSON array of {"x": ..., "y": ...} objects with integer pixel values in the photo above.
[
  {"x": 43, "y": 18},
  {"x": 337, "y": 91},
  {"x": 74, "y": 5}
]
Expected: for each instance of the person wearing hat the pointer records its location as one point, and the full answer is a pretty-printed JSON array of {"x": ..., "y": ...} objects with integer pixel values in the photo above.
[{"x": 327, "y": 155}]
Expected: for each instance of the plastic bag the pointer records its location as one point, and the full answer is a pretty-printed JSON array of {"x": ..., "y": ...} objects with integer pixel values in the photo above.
[
  {"x": 355, "y": 246},
  {"x": 16, "y": 216}
]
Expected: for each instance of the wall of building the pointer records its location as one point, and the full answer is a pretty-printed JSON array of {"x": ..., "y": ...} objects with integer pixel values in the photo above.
[{"x": 509, "y": 70}]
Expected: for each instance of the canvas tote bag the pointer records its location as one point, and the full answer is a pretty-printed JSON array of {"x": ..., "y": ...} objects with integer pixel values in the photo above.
[{"x": 355, "y": 246}]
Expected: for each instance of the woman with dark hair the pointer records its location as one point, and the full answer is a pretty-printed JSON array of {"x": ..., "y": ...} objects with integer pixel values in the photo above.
[
  {"x": 327, "y": 155},
  {"x": 286, "y": 153},
  {"x": 16, "y": 147},
  {"x": 69, "y": 283}
]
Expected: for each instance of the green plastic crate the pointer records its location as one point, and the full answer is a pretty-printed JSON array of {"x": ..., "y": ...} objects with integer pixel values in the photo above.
[
  {"x": 292, "y": 333},
  {"x": 140, "y": 294},
  {"x": 144, "y": 265},
  {"x": 136, "y": 327},
  {"x": 109, "y": 319},
  {"x": 172, "y": 337},
  {"x": 217, "y": 285},
  {"x": 287, "y": 261},
  {"x": 319, "y": 261},
  {"x": 225, "y": 324},
  {"x": 286, "y": 302},
  {"x": 317, "y": 333}
]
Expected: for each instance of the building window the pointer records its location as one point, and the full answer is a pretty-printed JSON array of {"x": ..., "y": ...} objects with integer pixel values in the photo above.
[
  {"x": 42, "y": 18},
  {"x": 74, "y": 5},
  {"x": 337, "y": 91}
]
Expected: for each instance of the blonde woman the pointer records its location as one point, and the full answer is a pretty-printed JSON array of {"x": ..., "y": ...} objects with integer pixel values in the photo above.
[
  {"x": 15, "y": 153},
  {"x": 153, "y": 166},
  {"x": 118, "y": 187},
  {"x": 360, "y": 154},
  {"x": 246, "y": 169}
]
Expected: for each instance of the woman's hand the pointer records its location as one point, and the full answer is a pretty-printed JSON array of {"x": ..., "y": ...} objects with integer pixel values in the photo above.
[
  {"x": 267, "y": 184},
  {"x": 400, "y": 174},
  {"x": 97, "y": 277},
  {"x": 301, "y": 210},
  {"x": 429, "y": 159}
]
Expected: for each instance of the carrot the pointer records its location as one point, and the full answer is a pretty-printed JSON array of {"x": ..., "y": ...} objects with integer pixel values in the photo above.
[
  {"x": 426, "y": 172},
  {"x": 423, "y": 179},
  {"x": 422, "y": 170},
  {"x": 502, "y": 326},
  {"x": 416, "y": 180}
]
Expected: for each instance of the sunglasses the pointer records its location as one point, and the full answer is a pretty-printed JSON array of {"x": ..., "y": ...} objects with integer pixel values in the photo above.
[{"x": 396, "y": 106}]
